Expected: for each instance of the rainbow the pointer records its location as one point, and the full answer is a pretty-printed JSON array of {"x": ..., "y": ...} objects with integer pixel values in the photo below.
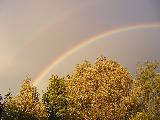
[{"x": 88, "y": 41}]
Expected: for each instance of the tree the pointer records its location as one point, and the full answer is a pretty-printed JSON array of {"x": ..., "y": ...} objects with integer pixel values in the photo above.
[
  {"x": 1, "y": 106},
  {"x": 146, "y": 90},
  {"x": 26, "y": 105},
  {"x": 55, "y": 99},
  {"x": 99, "y": 91}
]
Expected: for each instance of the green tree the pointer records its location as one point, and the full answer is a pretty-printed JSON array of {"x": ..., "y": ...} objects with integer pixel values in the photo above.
[
  {"x": 146, "y": 92},
  {"x": 55, "y": 99},
  {"x": 26, "y": 105},
  {"x": 99, "y": 91}
]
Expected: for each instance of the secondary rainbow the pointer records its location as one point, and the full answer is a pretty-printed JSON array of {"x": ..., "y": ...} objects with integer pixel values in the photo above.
[{"x": 88, "y": 41}]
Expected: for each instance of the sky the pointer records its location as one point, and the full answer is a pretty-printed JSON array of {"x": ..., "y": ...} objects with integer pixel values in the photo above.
[{"x": 34, "y": 33}]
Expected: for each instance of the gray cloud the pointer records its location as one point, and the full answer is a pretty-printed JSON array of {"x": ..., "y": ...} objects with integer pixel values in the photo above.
[{"x": 34, "y": 33}]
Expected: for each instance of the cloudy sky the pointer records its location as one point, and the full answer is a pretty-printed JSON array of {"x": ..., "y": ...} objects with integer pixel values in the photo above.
[{"x": 34, "y": 33}]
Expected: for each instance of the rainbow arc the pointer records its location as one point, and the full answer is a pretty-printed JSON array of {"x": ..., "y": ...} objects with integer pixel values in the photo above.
[{"x": 88, "y": 41}]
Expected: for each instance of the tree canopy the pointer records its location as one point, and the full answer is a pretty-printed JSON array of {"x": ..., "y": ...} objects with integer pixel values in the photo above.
[
  {"x": 26, "y": 105},
  {"x": 146, "y": 91},
  {"x": 1, "y": 106},
  {"x": 99, "y": 91},
  {"x": 55, "y": 98},
  {"x": 104, "y": 90}
]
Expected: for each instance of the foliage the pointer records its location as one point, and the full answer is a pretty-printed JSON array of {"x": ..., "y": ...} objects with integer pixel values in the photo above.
[
  {"x": 147, "y": 92},
  {"x": 99, "y": 91},
  {"x": 1, "y": 106},
  {"x": 24, "y": 106},
  {"x": 55, "y": 99}
]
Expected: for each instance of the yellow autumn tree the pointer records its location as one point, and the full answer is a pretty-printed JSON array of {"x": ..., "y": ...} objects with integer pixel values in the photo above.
[
  {"x": 146, "y": 92},
  {"x": 26, "y": 105},
  {"x": 99, "y": 91}
]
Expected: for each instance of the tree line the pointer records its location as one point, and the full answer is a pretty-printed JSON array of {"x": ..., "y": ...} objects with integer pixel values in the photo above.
[{"x": 104, "y": 90}]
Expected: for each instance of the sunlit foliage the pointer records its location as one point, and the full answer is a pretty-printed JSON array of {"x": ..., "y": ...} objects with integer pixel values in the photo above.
[
  {"x": 26, "y": 105},
  {"x": 99, "y": 91},
  {"x": 104, "y": 90},
  {"x": 55, "y": 99},
  {"x": 146, "y": 90}
]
